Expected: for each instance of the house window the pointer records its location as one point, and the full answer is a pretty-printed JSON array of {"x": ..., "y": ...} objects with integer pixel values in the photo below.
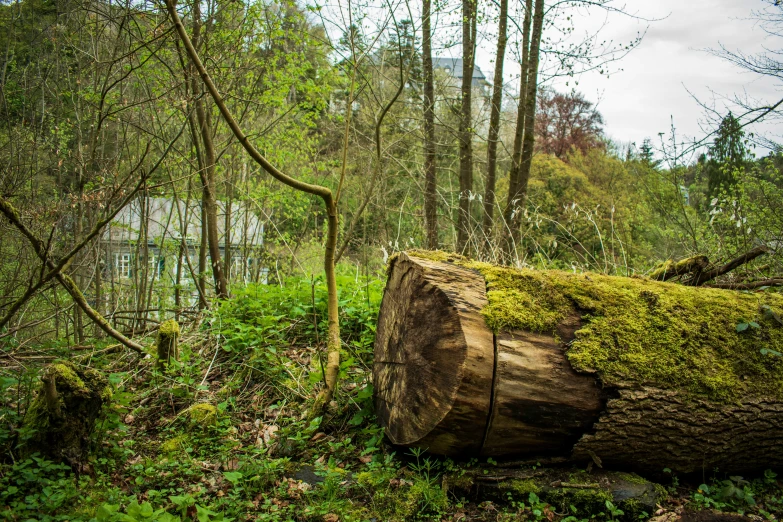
[
  {"x": 123, "y": 264},
  {"x": 156, "y": 265}
]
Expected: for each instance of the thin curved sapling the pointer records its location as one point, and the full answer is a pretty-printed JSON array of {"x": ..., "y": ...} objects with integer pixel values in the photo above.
[{"x": 325, "y": 193}]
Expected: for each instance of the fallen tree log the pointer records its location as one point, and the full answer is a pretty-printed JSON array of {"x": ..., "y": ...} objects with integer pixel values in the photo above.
[
  {"x": 561, "y": 490},
  {"x": 474, "y": 359}
]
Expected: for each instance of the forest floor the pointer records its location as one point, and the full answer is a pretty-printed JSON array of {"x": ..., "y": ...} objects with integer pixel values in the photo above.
[{"x": 223, "y": 434}]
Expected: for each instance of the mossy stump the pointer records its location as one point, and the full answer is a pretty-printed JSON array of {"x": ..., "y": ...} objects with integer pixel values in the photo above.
[
  {"x": 168, "y": 342},
  {"x": 63, "y": 413},
  {"x": 476, "y": 359}
]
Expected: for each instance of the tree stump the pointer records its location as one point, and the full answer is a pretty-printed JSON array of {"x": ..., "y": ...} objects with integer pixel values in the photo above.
[
  {"x": 474, "y": 359},
  {"x": 62, "y": 416},
  {"x": 167, "y": 343}
]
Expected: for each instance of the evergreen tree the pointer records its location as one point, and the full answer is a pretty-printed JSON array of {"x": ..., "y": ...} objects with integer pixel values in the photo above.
[
  {"x": 727, "y": 156},
  {"x": 646, "y": 154}
]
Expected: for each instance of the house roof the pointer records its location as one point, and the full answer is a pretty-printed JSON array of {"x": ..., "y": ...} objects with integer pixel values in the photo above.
[{"x": 454, "y": 67}]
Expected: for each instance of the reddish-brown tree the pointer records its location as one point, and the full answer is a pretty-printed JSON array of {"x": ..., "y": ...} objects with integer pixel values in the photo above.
[{"x": 566, "y": 122}]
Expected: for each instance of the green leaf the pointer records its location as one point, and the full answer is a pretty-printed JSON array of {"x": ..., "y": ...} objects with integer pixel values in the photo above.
[
  {"x": 315, "y": 376},
  {"x": 203, "y": 514},
  {"x": 232, "y": 476},
  {"x": 357, "y": 418},
  {"x": 365, "y": 393},
  {"x": 770, "y": 314},
  {"x": 741, "y": 327},
  {"x": 146, "y": 510},
  {"x": 106, "y": 511}
]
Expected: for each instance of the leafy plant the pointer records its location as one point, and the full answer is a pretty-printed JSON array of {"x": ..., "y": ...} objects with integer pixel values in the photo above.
[
  {"x": 743, "y": 326},
  {"x": 36, "y": 487},
  {"x": 734, "y": 492},
  {"x": 613, "y": 510}
]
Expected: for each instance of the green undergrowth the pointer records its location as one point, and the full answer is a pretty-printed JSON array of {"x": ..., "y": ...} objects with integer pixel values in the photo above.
[
  {"x": 721, "y": 344},
  {"x": 223, "y": 433}
]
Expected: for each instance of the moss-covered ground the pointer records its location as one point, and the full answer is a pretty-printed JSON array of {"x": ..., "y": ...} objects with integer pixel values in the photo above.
[{"x": 222, "y": 434}]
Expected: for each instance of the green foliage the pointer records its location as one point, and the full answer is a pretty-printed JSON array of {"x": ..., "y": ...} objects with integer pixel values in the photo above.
[
  {"x": 399, "y": 496},
  {"x": 15, "y": 395},
  {"x": 734, "y": 492},
  {"x": 748, "y": 215},
  {"x": 38, "y": 489},
  {"x": 264, "y": 319},
  {"x": 135, "y": 512}
]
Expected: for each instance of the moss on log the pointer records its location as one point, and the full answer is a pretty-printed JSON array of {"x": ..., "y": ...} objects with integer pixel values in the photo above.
[
  {"x": 670, "y": 269},
  {"x": 562, "y": 490},
  {"x": 637, "y": 330},
  {"x": 633, "y": 371},
  {"x": 62, "y": 415}
]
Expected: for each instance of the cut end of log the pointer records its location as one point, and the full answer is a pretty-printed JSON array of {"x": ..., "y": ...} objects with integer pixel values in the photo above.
[
  {"x": 445, "y": 382},
  {"x": 433, "y": 357}
]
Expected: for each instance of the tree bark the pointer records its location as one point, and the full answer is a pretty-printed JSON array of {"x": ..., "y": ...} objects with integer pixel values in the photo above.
[
  {"x": 469, "y": 16},
  {"x": 520, "y": 174},
  {"x": 519, "y": 130},
  {"x": 494, "y": 124},
  {"x": 210, "y": 203},
  {"x": 430, "y": 151},
  {"x": 446, "y": 382}
]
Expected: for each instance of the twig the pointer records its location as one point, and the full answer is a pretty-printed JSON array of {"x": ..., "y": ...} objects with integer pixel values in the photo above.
[
  {"x": 560, "y": 484},
  {"x": 777, "y": 281},
  {"x": 701, "y": 278}
]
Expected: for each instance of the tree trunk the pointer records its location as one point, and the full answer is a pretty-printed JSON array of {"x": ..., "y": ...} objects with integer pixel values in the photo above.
[
  {"x": 631, "y": 372},
  {"x": 202, "y": 259},
  {"x": 516, "y": 153},
  {"x": 430, "y": 172},
  {"x": 61, "y": 418},
  {"x": 227, "y": 228},
  {"x": 167, "y": 343},
  {"x": 528, "y": 135},
  {"x": 208, "y": 175},
  {"x": 494, "y": 125},
  {"x": 210, "y": 202},
  {"x": 469, "y": 16}
]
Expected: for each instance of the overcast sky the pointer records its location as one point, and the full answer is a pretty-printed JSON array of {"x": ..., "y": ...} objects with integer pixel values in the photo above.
[{"x": 651, "y": 84}]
